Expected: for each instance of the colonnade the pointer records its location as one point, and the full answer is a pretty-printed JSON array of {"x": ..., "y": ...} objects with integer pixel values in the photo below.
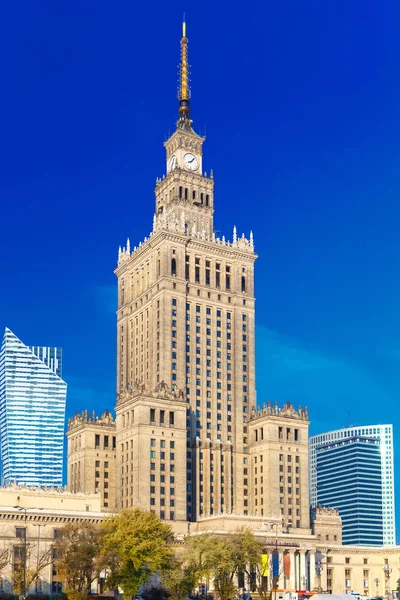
[{"x": 297, "y": 570}]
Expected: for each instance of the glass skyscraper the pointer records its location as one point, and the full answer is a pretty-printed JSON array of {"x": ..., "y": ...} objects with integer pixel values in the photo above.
[
  {"x": 359, "y": 475},
  {"x": 32, "y": 413},
  {"x": 349, "y": 478}
]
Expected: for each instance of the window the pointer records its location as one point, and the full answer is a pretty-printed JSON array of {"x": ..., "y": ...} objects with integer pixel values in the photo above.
[
  {"x": 171, "y": 419},
  {"x": 152, "y": 415},
  {"x": 97, "y": 440},
  {"x": 20, "y": 532}
]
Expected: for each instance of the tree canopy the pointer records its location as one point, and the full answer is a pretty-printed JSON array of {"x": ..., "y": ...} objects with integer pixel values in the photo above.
[{"x": 135, "y": 545}]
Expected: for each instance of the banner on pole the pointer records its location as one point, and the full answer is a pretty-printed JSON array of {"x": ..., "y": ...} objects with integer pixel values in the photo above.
[
  {"x": 286, "y": 565},
  {"x": 264, "y": 565},
  {"x": 275, "y": 565}
]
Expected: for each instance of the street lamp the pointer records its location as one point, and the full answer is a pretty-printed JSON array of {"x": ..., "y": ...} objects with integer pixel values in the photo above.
[
  {"x": 377, "y": 582},
  {"x": 25, "y": 541},
  {"x": 25, "y": 516},
  {"x": 387, "y": 569},
  {"x": 38, "y": 525}
]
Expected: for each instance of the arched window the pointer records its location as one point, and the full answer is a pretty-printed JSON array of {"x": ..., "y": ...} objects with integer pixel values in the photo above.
[
  {"x": 243, "y": 283},
  {"x": 180, "y": 192},
  {"x": 173, "y": 266},
  {"x": 207, "y": 200},
  {"x": 186, "y": 193}
]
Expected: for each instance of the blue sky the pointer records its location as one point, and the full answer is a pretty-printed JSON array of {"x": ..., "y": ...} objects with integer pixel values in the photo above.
[{"x": 300, "y": 105}]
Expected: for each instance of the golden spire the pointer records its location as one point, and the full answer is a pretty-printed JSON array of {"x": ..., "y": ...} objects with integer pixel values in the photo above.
[{"x": 184, "y": 89}]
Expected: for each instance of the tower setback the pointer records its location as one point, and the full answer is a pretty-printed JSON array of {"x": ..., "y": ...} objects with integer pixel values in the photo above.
[{"x": 185, "y": 346}]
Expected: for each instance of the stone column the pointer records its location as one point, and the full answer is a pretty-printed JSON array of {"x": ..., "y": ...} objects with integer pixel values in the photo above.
[
  {"x": 206, "y": 450},
  {"x": 302, "y": 570},
  {"x": 290, "y": 581},
  {"x": 217, "y": 477},
  {"x": 311, "y": 583},
  {"x": 281, "y": 578},
  {"x": 196, "y": 479},
  {"x": 228, "y": 478}
]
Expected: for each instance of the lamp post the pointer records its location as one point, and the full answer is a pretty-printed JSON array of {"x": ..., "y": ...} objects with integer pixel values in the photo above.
[
  {"x": 25, "y": 516},
  {"x": 387, "y": 569},
  {"x": 22, "y": 508},
  {"x": 39, "y": 525},
  {"x": 377, "y": 582}
]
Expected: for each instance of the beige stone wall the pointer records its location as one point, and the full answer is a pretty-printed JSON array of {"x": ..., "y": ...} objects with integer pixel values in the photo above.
[
  {"x": 313, "y": 564},
  {"x": 279, "y": 465},
  {"x": 91, "y": 465},
  {"x": 368, "y": 571},
  {"x": 327, "y": 526},
  {"x": 151, "y": 454},
  {"x": 47, "y": 511},
  {"x": 186, "y": 319}
]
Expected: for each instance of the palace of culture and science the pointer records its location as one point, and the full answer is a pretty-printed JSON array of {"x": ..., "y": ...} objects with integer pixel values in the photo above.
[
  {"x": 186, "y": 365},
  {"x": 188, "y": 442}
]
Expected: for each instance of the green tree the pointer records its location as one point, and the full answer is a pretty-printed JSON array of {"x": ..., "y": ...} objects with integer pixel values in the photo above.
[
  {"x": 179, "y": 579},
  {"x": 77, "y": 558},
  {"x": 34, "y": 565},
  {"x": 135, "y": 545},
  {"x": 249, "y": 551},
  {"x": 222, "y": 558}
]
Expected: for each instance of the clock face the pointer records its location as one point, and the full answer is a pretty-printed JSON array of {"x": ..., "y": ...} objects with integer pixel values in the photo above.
[
  {"x": 173, "y": 162},
  {"x": 190, "y": 162}
]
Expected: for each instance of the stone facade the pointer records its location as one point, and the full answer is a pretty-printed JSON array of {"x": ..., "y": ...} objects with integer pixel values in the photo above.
[
  {"x": 186, "y": 320},
  {"x": 47, "y": 511},
  {"x": 151, "y": 452},
  {"x": 279, "y": 464},
  {"x": 92, "y": 456}
]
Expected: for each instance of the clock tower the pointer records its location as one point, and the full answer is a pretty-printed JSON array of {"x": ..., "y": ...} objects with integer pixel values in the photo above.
[
  {"x": 185, "y": 364},
  {"x": 185, "y": 195}
]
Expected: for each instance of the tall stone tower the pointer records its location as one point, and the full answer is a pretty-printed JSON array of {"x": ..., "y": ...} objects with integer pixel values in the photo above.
[{"x": 185, "y": 345}]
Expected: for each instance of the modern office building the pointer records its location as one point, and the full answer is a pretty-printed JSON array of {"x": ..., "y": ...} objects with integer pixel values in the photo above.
[
  {"x": 384, "y": 435},
  {"x": 185, "y": 339},
  {"x": 52, "y": 357},
  {"x": 349, "y": 478},
  {"x": 32, "y": 413}
]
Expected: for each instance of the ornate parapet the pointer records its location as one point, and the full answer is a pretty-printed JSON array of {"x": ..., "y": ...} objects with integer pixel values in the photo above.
[
  {"x": 161, "y": 222},
  {"x": 287, "y": 411},
  {"x": 326, "y": 510},
  {"x": 326, "y": 525},
  {"x": 106, "y": 419},
  {"x": 43, "y": 490},
  {"x": 162, "y": 390}
]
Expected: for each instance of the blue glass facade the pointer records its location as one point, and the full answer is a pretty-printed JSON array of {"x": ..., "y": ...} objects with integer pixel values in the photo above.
[
  {"x": 32, "y": 413},
  {"x": 349, "y": 478}
]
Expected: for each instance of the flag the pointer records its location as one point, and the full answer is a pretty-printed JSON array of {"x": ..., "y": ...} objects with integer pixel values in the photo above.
[
  {"x": 264, "y": 565},
  {"x": 286, "y": 565},
  {"x": 275, "y": 565}
]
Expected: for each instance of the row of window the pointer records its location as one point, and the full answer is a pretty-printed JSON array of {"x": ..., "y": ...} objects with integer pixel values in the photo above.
[
  {"x": 203, "y": 275},
  {"x": 163, "y": 418},
  {"x": 108, "y": 441}
]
